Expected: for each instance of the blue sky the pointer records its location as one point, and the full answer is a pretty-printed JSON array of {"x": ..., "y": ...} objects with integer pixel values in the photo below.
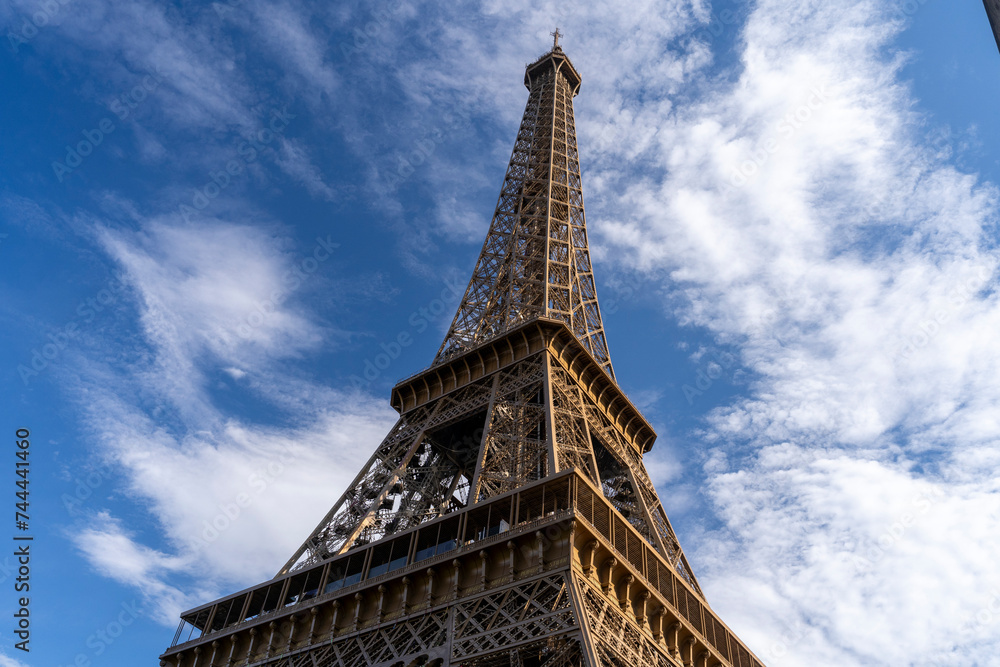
[{"x": 215, "y": 216}]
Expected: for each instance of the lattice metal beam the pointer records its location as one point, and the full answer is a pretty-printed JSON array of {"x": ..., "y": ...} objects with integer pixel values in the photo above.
[{"x": 535, "y": 261}]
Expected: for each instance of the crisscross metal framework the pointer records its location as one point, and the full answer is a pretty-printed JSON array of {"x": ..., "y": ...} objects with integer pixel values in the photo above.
[
  {"x": 507, "y": 518},
  {"x": 535, "y": 261}
]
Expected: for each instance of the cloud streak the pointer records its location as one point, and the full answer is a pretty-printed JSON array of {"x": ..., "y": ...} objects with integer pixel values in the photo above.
[{"x": 232, "y": 496}]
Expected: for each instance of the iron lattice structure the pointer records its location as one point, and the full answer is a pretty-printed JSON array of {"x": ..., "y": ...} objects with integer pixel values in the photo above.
[
  {"x": 507, "y": 518},
  {"x": 535, "y": 261}
]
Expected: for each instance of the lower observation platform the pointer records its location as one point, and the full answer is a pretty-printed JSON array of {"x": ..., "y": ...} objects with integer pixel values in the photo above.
[{"x": 548, "y": 574}]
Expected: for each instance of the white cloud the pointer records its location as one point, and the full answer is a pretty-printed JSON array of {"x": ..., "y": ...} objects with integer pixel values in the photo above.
[
  {"x": 199, "y": 87},
  {"x": 231, "y": 498},
  {"x": 217, "y": 292},
  {"x": 291, "y": 39},
  {"x": 7, "y": 661},
  {"x": 193, "y": 77},
  {"x": 295, "y": 161},
  {"x": 114, "y": 553},
  {"x": 233, "y": 502}
]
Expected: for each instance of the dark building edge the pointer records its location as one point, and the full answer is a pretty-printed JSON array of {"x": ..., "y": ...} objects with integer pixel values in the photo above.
[{"x": 993, "y": 12}]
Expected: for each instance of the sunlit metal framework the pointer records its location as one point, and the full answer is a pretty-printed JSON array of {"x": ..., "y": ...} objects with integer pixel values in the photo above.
[
  {"x": 507, "y": 518},
  {"x": 535, "y": 261},
  {"x": 550, "y": 573}
]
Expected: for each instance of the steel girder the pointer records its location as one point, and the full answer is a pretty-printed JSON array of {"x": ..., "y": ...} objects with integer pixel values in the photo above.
[
  {"x": 557, "y": 620},
  {"x": 535, "y": 261},
  {"x": 487, "y": 438}
]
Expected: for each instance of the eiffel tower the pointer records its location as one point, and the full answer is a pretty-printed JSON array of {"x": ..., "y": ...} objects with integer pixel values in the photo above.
[{"x": 507, "y": 519}]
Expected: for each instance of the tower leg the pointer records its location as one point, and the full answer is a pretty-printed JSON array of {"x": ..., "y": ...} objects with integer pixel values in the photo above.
[{"x": 586, "y": 639}]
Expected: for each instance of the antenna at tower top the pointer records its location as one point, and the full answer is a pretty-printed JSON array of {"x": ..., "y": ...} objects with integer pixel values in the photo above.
[{"x": 555, "y": 38}]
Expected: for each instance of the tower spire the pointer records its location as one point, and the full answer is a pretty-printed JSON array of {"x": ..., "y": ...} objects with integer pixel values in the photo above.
[
  {"x": 555, "y": 39},
  {"x": 535, "y": 262}
]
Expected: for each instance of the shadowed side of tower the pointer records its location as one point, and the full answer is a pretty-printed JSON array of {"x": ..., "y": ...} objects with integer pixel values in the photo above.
[
  {"x": 993, "y": 12},
  {"x": 508, "y": 517}
]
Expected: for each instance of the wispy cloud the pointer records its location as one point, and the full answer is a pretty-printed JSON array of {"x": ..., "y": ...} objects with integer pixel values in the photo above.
[
  {"x": 295, "y": 161},
  {"x": 233, "y": 497},
  {"x": 233, "y": 502},
  {"x": 294, "y": 39},
  {"x": 207, "y": 292},
  {"x": 208, "y": 94},
  {"x": 7, "y": 661}
]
